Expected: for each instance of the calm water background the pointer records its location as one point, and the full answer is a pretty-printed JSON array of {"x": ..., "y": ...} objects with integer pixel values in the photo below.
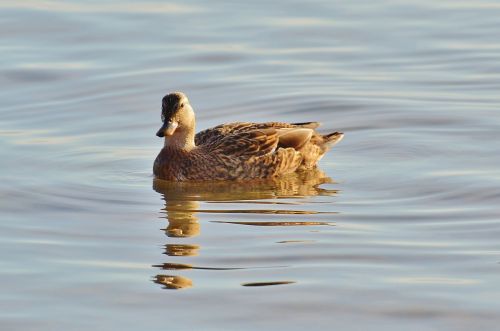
[{"x": 415, "y": 85}]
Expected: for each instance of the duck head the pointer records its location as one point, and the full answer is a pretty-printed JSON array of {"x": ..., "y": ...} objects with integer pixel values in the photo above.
[{"x": 178, "y": 121}]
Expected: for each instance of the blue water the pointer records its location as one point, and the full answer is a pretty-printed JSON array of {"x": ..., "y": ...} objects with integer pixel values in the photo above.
[{"x": 399, "y": 233}]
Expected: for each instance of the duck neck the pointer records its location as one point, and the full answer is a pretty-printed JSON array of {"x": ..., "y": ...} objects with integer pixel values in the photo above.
[{"x": 182, "y": 139}]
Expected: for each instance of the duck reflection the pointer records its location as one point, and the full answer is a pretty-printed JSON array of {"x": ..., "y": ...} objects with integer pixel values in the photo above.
[
  {"x": 173, "y": 282},
  {"x": 181, "y": 250},
  {"x": 182, "y": 204},
  {"x": 181, "y": 216}
]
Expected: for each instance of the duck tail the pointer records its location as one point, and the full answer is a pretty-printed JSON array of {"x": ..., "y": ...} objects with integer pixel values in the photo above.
[{"x": 332, "y": 139}]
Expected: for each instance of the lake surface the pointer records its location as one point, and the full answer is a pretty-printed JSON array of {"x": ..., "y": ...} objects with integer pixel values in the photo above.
[{"x": 400, "y": 230}]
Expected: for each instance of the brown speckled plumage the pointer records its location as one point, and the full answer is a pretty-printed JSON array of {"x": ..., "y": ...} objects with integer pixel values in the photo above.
[{"x": 235, "y": 151}]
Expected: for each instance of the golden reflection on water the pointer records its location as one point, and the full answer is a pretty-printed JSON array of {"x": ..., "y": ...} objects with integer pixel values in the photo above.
[
  {"x": 182, "y": 204},
  {"x": 181, "y": 250},
  {"x": 181, "y": 266},
  {"x": 182, "y": 220},
  {"x": 173, "y": 282}
]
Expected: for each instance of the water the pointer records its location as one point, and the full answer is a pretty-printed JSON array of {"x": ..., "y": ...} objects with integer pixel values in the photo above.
[{"x": 400, "y": 232}]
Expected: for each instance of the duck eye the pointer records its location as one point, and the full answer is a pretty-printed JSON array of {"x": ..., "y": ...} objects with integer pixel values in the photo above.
[{"x": 182, "y": 105}]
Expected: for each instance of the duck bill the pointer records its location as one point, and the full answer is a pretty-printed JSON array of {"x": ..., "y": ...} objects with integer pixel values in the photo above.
[{"x": 167, "y": 129}]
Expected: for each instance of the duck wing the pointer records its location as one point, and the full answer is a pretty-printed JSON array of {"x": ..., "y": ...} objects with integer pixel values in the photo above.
[
  {"x": 213, "y": 134},
  {"x": 243, "y": 144}
]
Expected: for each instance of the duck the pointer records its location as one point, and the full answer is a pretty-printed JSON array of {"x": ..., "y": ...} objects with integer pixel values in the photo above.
[{"x": 234, "y": 151}]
